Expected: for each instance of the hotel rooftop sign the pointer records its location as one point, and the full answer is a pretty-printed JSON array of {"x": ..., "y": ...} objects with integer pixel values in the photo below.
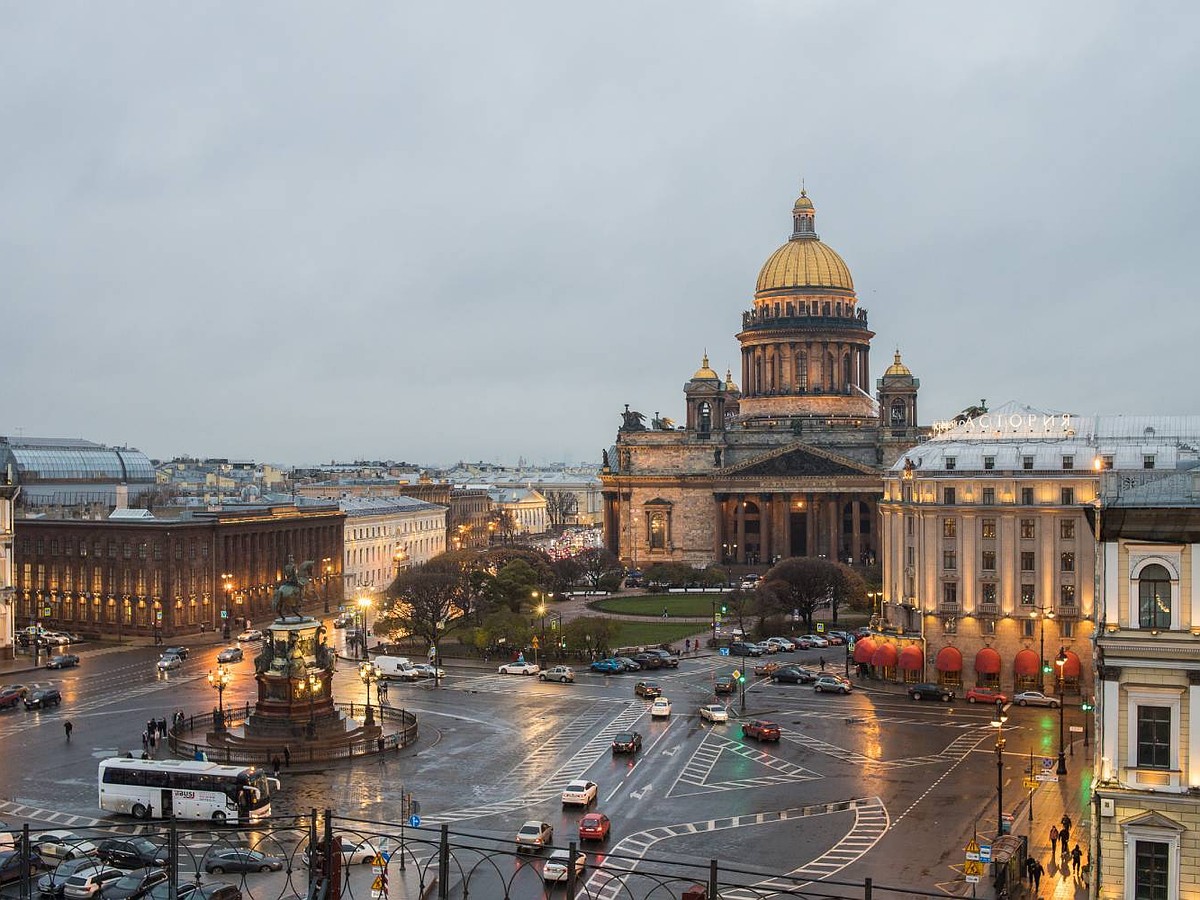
[{"x": 1017, "y": 423}]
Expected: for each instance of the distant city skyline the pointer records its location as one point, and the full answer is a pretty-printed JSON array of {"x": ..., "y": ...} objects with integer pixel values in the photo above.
[{"x": 416, "y": 233}]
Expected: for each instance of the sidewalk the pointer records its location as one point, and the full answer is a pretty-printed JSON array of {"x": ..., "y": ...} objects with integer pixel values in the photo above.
[{"x": 1050, "y": 802}]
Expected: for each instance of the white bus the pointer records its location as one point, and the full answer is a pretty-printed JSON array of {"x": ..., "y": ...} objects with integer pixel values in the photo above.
[{"x": 185, "y": 789}]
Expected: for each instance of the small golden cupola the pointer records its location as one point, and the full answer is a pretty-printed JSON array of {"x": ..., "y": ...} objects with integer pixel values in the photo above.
[{"x": 705, "y": 394}]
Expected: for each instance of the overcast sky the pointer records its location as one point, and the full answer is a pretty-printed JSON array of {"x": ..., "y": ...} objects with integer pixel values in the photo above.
[{"x": 442, "y": 231}]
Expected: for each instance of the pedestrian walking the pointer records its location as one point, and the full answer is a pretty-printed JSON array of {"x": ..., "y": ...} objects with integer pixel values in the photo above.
[
  {"x": 687, "y": 646},
  {"x": 1065, "y": 833},
  {"x": 275, "y": 766},
  {"x": 1038, "y": 871},
  {"x": 162, "y": 726},
  {"x": 1076, "y": 859},
  {"x": 1053, "y": 839},
  {"x": 67, "y": 727},
  {"x": 154, "y": 738},
  {"x": 822, "y": 664},
  {"x": 287, "y": 755},
  {"x": 145, "y": 741}
]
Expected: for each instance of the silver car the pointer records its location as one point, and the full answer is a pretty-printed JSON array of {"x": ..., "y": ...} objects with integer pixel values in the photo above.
[{"x": 1035, "y": 698}]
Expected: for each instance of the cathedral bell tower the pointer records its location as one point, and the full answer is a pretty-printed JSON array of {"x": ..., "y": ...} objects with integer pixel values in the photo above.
[{"x": 705, "y": 395}]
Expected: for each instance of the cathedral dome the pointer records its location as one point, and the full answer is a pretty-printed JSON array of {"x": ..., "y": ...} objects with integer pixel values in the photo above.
[
  {"x": 705, "y": 373},
  {"x": 897, "y": 368},
  {"x": 804, "y": 262}
]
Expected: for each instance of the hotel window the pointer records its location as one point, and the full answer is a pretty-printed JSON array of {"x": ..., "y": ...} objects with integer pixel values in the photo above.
[
  {"x": 988, "y": 626},
  {"x": 951, "y": 463},
  {"x": 1106, "y": 462},
  {"x": 1067, "y": 496},
  {"x": 987, "y": 593},
  {"x": 1154, "y": 737},
  {"x": 949, "y": 559},
  {"x": 1027, "y": 463},
  {"x": 1027, "y": 629},
  {"x": 1154, "y": 597},
  {"x": 1151, "y": 870},
  {"x": 1066, "y": 595},
  {"x": 1148, "y": 461},
  {"x": 988, "y": 561},
  {"x": 1066, "y": 628},
  {"x": 908, "y": 522},
  {"x": 989, "y": 496},
  {"x": 948, "y": 496},
  {"x": 1027, "y": 496},
  {"x": 1028, "y": 595},
  {"x": 988, "y": 529},
  {"x": 1028, "y": 529},
  {"x": 1068, "y": 561},
  {"x": 912, "y": 556},
  {"x": 1066, "y": 529},
  {"x": 1027, "y": 561},
  {"x": 1068, "y": 462},
  {"x": 949, "y": 528},
  {"x": 989, "y": 462},
  {"x": 950, "y": 593}
]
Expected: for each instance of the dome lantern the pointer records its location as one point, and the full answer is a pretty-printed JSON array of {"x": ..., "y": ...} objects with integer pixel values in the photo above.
[{"x": 804, "y": 219}]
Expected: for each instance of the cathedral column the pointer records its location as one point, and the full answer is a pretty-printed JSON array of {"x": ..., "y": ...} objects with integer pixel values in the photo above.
[
  {"x": 741, "y": 529},
  {"x": 855, "y": 536},
  {"x": 766, "y": 508},
  {"x": 832, "y": 516},
  {"x": 810, "y": 525},
  {"x": 719, "y": 530},
  {"x": 745, "y": 371},
  {"x": 786, "y": 536}
]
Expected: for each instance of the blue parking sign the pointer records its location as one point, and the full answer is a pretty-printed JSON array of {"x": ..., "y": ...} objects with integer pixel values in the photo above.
[{"x": 724, "y": 651}]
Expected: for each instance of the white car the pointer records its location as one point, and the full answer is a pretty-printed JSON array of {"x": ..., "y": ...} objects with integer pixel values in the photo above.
[
  {"x": 534, "y": 835},
  {"x": 580, "y": 793},
  {"x": 661, "y": 708},
  {"x": 231, "y": 654},
  {"x": 520, "y": 668},
  {"x": 426, "y": 670},
  {"x": 250, "y": 634},
  {"x": 816, "y": 640},
  {"x": 714, "y": 712},
  {"x": 784, "y": 645},
  {"x": 558, "y": 864},
  {"x": 167, "y": 663},
  {"x": 59, "y": 845}
]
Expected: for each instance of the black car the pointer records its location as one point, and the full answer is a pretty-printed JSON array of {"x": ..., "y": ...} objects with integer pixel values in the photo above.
[
  {"x": 627, "y": 742},
  {"x": 647, "y": 689},
  {"x": 627, "y": 664},
  {"x": 741, "y": 648},
  {"x": 723, "y": 684},
  {"x": 11, "y": 868},
  {"x": 794, "y": 675},
  {"x": 209, "y": 890},
  {"x": 238, "y": 859},
  {"x": 51, "y": 884},
  {"x": 648, "y": 660},
  {"x": 668, "y": 659},
  {"x": 42, "y": 698},
  {"x": 62, "y": 661},
  {"x": 134, "y": 885},
  {"x": 131, "y": 853},
  {"x": 930, "y": 692},
  {"x": 181, "y": 652}
]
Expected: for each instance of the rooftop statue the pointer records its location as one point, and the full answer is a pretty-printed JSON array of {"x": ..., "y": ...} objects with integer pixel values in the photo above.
[
  {"x": 290, "y": 591},
  {"x": 634, "y": 420}
]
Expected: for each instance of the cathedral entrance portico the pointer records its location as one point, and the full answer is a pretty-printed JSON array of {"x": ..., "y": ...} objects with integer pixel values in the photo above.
[{"x": 759, "y": 527}]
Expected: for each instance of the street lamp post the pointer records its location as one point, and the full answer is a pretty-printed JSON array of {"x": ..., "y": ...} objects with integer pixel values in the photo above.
[
  {"x": 314, "y": 682},
  {"x": 364, "y": 606},
  {"x": 1059, "y": 662},
  {"x": 219, "y": 679},
  {"x": 327, "y": 567},
  {"x": 227, "y": 580},
  {"x": 998, "y": 724},
  {"x": 1042, "y": 613},
  {"x": 370, "y": 675}
]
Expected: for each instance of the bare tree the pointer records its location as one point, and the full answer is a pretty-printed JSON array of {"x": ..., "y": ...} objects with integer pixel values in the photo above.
[
  {"x": 421, "y": 604},
  {"x": 562, "y": 507},
  {"x": 595, "y": 563},
  {"x": 801, "y": 583}
]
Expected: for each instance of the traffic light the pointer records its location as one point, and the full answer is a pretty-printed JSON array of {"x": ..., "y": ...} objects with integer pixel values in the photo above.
[
  {"x": 723, "y": 609},
  {"x": 1046, "y": 669},
  {"x": 1085, "y": 706}
]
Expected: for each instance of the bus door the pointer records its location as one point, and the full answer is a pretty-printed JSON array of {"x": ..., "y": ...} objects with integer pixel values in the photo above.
[{"x": 167, "y": 803}]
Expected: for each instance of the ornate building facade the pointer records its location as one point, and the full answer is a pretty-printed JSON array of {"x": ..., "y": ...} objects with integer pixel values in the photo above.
[{"x": 792, "y": 463}]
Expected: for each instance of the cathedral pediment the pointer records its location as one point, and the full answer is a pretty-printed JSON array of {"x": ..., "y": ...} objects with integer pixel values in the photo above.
[{"x": 799, "y": 460}]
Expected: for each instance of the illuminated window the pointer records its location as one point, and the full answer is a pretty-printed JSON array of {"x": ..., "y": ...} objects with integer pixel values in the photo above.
[
  {"x": 1066, "y": 595},
  {"x": 1066, "y": 529},
  {"x": 1068, "y": 561},
  {"x": 1028, "y": 595},
  {"x": 949, "y": 528},
  {"x": 987, "y": 593},
  {"x": 1028, "y": 529},
  {"x": 1154, "y": 597},
  {"x": 988, "y": 529}
]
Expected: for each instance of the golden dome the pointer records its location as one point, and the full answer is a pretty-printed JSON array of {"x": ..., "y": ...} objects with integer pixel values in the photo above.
[
  {"x": 804, "y": 263},
  {"x": 729, "y": 385},
  {"x": 802, "y": 202},
  {"x": 897, "y": 368},
  {"x": 704, "y": 372}
]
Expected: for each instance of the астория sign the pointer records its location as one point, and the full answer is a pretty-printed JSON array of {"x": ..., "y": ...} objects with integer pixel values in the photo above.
[{"x": 1028, "y": 424}]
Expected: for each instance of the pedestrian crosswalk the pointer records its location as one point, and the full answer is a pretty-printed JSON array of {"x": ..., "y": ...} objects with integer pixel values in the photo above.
[{"x": 697, "y": 775}]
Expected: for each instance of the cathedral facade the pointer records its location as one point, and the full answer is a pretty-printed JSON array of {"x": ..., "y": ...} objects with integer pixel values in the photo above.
[{"x": 792, "y": 463}]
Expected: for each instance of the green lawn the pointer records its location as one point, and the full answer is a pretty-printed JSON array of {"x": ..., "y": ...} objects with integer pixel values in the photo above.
[
  {"x": 636, "y": 634},
  {"x": 654, "y": 604}
]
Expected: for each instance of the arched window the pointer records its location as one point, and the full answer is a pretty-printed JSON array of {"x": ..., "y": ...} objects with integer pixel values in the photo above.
[
  {"x": 802, "y": 371},
  {"x": 830, "y": 372},
  {"x": 705, "y": 419},
  {"x": 846, "y": 379},
  {"x": 899, "y": 414},
  {"x": 1154, "y": 597},
  {"x": 658, "y": 531}
]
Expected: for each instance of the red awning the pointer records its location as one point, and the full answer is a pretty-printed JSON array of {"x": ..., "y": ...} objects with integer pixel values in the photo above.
[
  {"x": 949, "y": 659},
  {"x": 911, "y": 659},
  {"x": 1026, "y": 663},
  {"x": 864, "y": 649},
  {"x": 1071, "y": 667},
  {"x": 885, "y": 656},
  {"x": 987, "y": 662}
]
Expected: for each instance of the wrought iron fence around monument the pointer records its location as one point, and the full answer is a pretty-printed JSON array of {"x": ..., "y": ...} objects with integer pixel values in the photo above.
[{"x": 387, "y": 860}]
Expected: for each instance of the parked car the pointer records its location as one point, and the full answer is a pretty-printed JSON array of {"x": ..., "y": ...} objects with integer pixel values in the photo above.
[
  {"x": 561, "y": 674},
  {"x": 929, "y": 692},
  {"x": 628, "y": 663},
  {"x": 534, "y": 835},
  {"x": 11, "y": 696},
  {"x": 208, "y": 890},
  {"x": 428, "y": 670},
  {"x": 519, "y": 668},
  {"x": 761, "y": 730},
  {"x": 62, "y": 661},
  {"x": 580, "y": 793},
  {"x": 344, "y": 620},
  {"x": 1035, "y": 698},
  {"x": 834, "y": 639},
  {"x": 42, "y": 698},
  {"x": 626, "y": 742},
  {"x": 607, "y": 666},
  {"x": 669, "y": 659},
  {"x": 181, "y": 652},
  {"x": 647, "y": 689},
  {"x": 231, "y": 654},
  {"x": 785, "y": 645},
  {"x": 131, "y": 852},
  {"x": 986, "y": 695},
  {"x": 714, "y": 712},
  {"x": 169, "y": 662},
  {"x": 741, "y": 648},
  {"x": 241, "y": 859},
  {"x": 55, "y": 846},
  {"x": 802, "y": 643},
  {"x": 595, "y": 826},
  {"x": 558, "y": 864},
  {"x": 816, "y": 641},
  {"x": 86, "y": 883},
  {"x": 355, "y": 852},
  {"x": 11, "y": 868},
  {"x": 660, "y": 708},
  {"x": 794, "y": 675},
  {"x": 134, "y": 885},
  {"x": 52, "y": 883},
  {"x": 723, "y": 684},
  {"x": 648, "y": 660},
  {"x": 250, "y": 634},
  {"x": 766, "y": 647},
  {"x": 831, "y": 684}
]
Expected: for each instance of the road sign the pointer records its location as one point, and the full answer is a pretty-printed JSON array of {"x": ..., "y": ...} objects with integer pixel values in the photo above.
[
  {"x": 1075, "y": 729},
  {"x": 536, "y": 644},
  {"x": 1049, "y": 763},
  {"x": 1031, "y": 784},
  {"x": 972, "y": 847},
  {"x": 820, "y": 628},
  {"x": 724, "y": 651},
  {"x": 736, "y": 674},
  {"x": 414, "y": 821},
  {"x": 985, "y": 853},
  {"x": 973, "y": 857},
  {"x": 224, "y": 614},
  {"x": 973, "y": 869}
]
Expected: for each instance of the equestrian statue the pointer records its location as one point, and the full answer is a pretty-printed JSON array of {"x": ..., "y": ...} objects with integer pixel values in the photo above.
[{"x": 290, "y": 591}]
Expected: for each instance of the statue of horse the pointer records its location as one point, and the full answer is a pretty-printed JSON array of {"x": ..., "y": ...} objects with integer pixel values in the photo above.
[{"x": 290, "y": 591}]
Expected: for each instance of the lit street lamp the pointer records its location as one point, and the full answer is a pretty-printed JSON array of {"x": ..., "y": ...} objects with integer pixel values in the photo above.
[
  {"x": 370, "y": 676},
  {"x": 219, "y": 679},
  {"x": 1059, "y": 662},
  {"x": 998, "y": 723},
  {"x": 1044, "y": 613},
  {"x": 314, "y": 682},
  {"x": 364, "y": 606},
  {"x": 227, "y": 579}
]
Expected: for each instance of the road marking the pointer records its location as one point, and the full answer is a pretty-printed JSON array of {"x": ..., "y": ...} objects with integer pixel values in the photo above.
[
  {"x": 957, "y": 762},
  {"x": 698, "y": 770}
]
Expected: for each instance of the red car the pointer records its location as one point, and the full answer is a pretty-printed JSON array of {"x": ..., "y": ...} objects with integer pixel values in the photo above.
[
  {"x": 761, "y": 730},
  {"x": 594, "y": 827},
  {"x": 985, "y": 695}
]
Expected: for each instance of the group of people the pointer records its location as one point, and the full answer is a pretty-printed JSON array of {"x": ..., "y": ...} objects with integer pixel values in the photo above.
[
  {"x": 156, "y": 730},
  {"x": 287, "y": 760},
  {"x": 1072, "y": 857}
]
